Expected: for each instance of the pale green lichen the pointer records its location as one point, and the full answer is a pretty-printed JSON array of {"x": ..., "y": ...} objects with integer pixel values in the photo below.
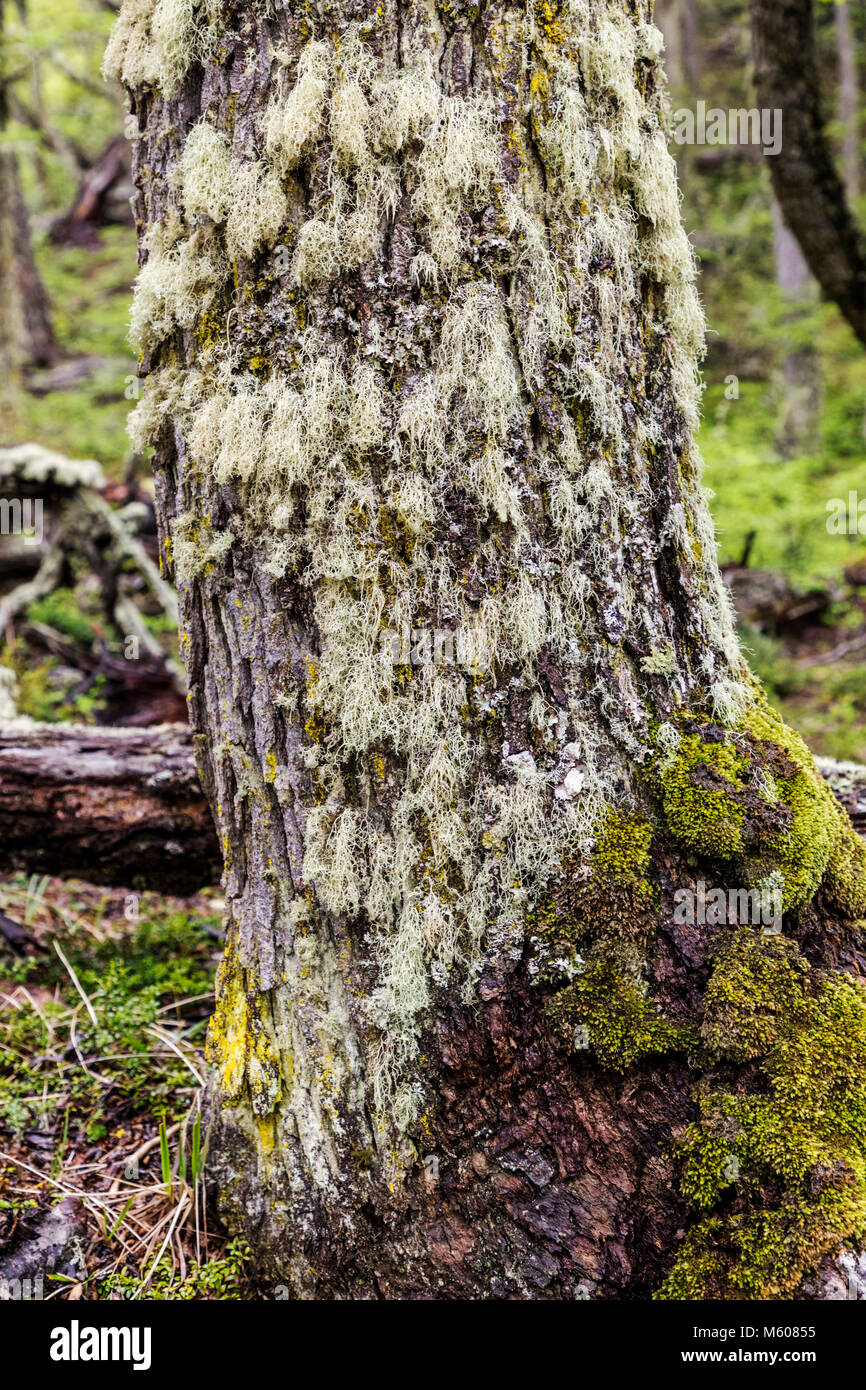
[
  {"x": 467, "y": 847},
  {"x": 154, "y": 42}
]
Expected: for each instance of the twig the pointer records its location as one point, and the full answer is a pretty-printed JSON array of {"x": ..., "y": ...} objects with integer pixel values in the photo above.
[{"x": 77, "y": 983}]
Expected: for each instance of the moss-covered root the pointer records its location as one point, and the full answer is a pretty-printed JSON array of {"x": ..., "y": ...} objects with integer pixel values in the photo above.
[
  {"x": 750, "y": 800},
  {"x": 776, "y": 1173}
]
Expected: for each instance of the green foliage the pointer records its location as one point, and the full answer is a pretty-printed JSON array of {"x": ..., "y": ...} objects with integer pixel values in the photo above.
[
  {"x": 41, "y": 699},
  {"x": 61, "y": 611},
  {"x": 218, "y": 1279},
  {"x": 129, "y": 980},
  {"x": 90, "y": 292}
]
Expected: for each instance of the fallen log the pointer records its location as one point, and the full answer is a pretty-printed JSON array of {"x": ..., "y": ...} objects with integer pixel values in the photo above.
[
  {"x": 124, "y": 807},
  {"x": 110, "y": 805},
  {"x": 847, "y": 782}
]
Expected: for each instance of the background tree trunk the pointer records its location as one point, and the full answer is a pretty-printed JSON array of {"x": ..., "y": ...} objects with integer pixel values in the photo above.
[
  {"x": 810, "y": 192},
  {"x": 669, "y": 18},
  {"x": 847, "y": 51},
  {"x": 692, "y": 51},
  {"x": 11, "y": 326},
  {"x": 40, "y": 346},
  {"x": 420, "y": 329},
  {"x": 801, "y": 373}
]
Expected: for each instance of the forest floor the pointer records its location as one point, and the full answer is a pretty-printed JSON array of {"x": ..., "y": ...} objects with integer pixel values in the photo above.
[{"x": 104, "y": 999}]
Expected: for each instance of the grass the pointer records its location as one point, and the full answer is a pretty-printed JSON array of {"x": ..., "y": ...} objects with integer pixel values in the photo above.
[{"x": 101, "y": 1033}]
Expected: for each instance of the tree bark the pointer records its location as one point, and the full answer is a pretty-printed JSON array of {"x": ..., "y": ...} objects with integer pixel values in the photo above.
[
  {"x": 810, "y": 191},
  {"x": 848, "y": 99},
  {"x": 801, "y": 374},
  {"x": 419, "y": 324},
  {"x": 117, "y": 806}
]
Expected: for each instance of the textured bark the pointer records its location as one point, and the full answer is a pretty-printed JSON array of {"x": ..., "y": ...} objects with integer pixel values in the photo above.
[
  {"x": 505, "y": 349},
  {"x": 810, "y": 192},
  {"x": 118, "y": 806}
]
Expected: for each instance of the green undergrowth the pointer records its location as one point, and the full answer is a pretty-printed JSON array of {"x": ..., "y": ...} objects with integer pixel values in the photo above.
[
  {"x": 220, "y": 1278},
  {"x": 138, "y": 977},
  {"x": 49, "y": 689},
  {"x": 89, "y": 289},
  {"x": 825, "y": 703}
]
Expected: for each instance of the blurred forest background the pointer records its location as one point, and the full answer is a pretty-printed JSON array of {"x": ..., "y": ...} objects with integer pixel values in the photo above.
[
  {"x": 84, "y": 1088},
  {"x": 792, "y": 437}
]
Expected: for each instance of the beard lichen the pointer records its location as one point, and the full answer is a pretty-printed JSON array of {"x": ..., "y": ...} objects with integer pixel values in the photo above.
[
  {"x": 520, "y": 398},
  {"x": 154, "y": 42}
]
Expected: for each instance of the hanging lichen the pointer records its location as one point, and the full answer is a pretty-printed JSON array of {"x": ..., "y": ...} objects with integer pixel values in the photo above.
[{"x": 347, "y": 460}]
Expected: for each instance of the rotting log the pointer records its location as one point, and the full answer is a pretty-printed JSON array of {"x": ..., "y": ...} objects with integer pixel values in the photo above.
[{"x": 109, "y": 805}]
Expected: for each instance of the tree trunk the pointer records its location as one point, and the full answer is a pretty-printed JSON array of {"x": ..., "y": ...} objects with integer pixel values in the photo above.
[
  {"x": 420, "y": 329},
  {"x": 801, "y": 373},
  {"x": 669, "y": 18},
  {"x": 39, "y": 344},
  {"x": 692, "y": 52},
  {"x": 848, "y": 104},
  {"x": 810, "y": 192},
  {"x": 123, "y": 806},
  {"x": 11, "y": 325}
]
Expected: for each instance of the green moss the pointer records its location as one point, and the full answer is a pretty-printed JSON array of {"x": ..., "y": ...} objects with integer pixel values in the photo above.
[
  {"x": 62, "y": 611},
  {"x": 803, "y": 850},
  {"x": 622, "y": 850},
  {"x": 787, "y": 1164},
  {"x": 699, "y": 800},
  {"x": 751, "y": 798},
  {"x": 755, "y": 991},
  {"x": 846, "y": 875},
  {"x": 609, "y": 1013}
]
